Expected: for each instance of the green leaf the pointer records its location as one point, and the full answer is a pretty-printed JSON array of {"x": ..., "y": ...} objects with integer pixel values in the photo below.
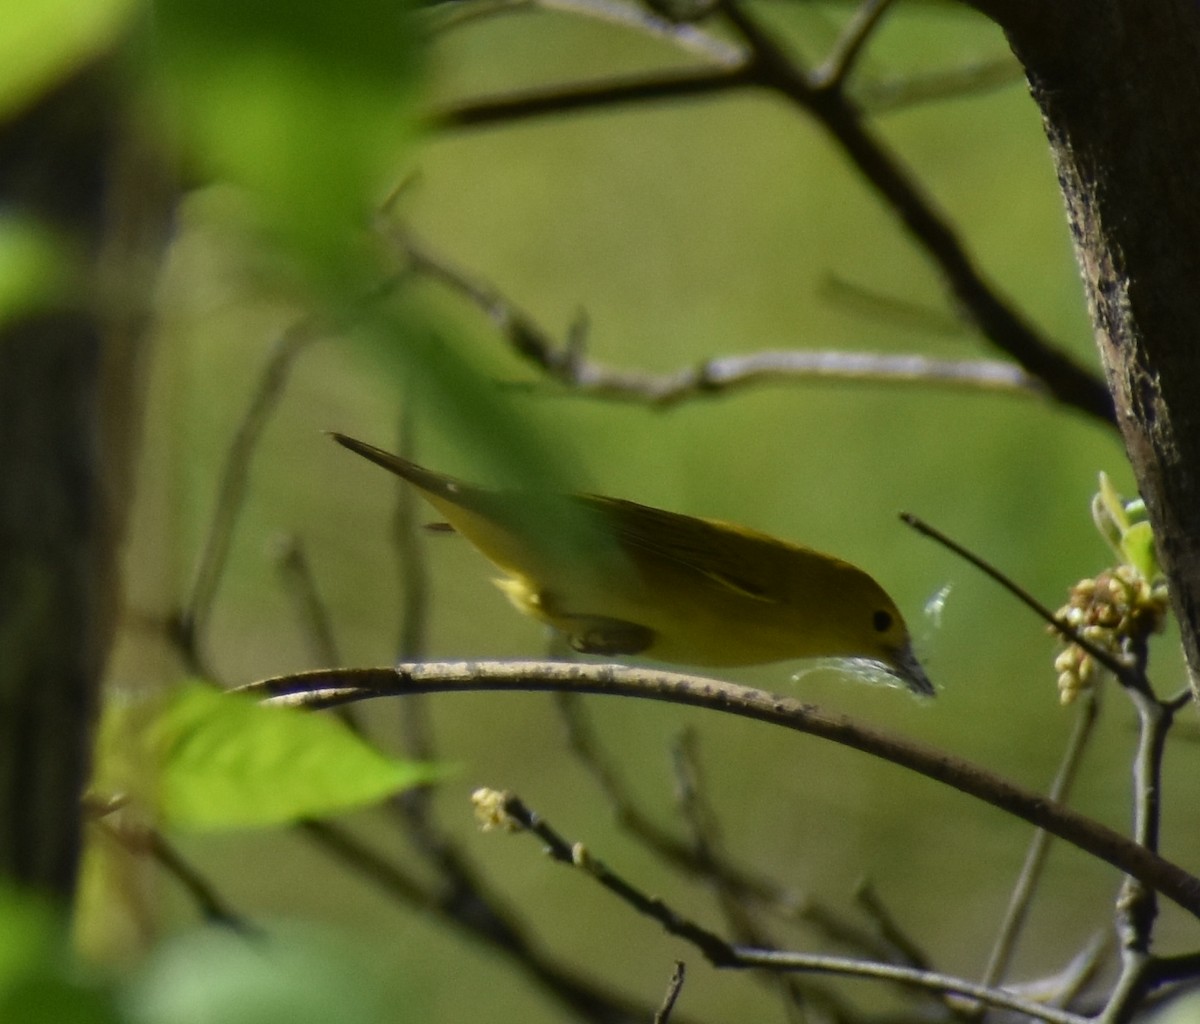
[
  {"x": 33, "y": 267},
  {"x": 298, "y": 977},
  {"x": 39, "y": 980},
  {"x": 44, "y": 42},
  {"x": 1137, "y": 548},
  {"x": 211, "y": 760},
  {"x": 306, "y": 106}
]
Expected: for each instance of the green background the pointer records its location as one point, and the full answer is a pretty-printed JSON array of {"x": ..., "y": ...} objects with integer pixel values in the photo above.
[{"x": 682, "y": 231}]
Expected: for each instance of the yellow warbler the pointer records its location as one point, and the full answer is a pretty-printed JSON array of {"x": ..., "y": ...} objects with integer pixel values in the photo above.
[{"x": 621, "y": 578}]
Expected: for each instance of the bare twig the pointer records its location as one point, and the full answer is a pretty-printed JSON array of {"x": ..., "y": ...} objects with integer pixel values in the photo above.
[
  {"x": 889, "y": 929},
  {"x": 567, "y": 364},
  {"x": 610, "y": 92},
  {"x": 139, "y": 839},
  {"x": 708, "y": 846},
  {"x": 686, "y": 37},
  {"x": 506, "y": 809},
  {"x": 673, "y": 989},
  {"x": 311, "y": 609},
  {"x": 1122, "y": 671},
  {"x": 509, "y": 808},
  {"x": 929, "y": 980},
  {"x": 330, "y": 688},
  {"x": 683, "y": 856},
  {"x": 768, "y": 66},
  {"x": 1021, "y": 899},
  {"x": 231, "y": 491},
  {"x": 1137, "y": 905},
  {"x": 482, "y": 920},
  {"x": 849, "y": 47},
  {"x": 891, "y": 310}
]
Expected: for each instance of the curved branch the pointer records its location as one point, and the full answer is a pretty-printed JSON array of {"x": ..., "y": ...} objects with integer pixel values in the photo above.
[
  {"x": 767, "y": 66},
  {"x": 328, "y": 688}
]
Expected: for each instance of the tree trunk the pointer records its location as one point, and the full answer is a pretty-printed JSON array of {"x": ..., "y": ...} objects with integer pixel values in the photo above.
[
  {"x": 69, "y": 408},
  {"x": 1118, "y": 84}
]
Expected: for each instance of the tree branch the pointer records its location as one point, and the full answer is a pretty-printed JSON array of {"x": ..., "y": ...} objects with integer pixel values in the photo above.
[
  {"x": 332, "y": 688},
  {"x": 506, "y": 809},
  {"x": 767, "y": 66}
]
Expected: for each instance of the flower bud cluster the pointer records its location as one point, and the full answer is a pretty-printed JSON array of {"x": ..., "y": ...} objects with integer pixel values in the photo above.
[{"x": 1116, "y": 610}]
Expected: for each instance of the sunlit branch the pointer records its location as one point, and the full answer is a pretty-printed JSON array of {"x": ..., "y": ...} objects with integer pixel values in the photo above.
[
  {"x": 568, "y": 364},
  {"x": 331, "y": 688},
  {"x": 929, "y": 980}
]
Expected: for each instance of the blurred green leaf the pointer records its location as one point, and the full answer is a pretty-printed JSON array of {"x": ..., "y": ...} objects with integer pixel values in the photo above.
[
  {"x": 211, "y": 760},
  {"x": 33, "y": 267},
  {"x": 42, "y": 43},
  {"x": 306, "y": 106},
  {"x": 39, "y": 980},
  {"x": 1124, "y": 526},
  {"x": 210, "y": 976},
  {"x": 1137, "y": 547}
]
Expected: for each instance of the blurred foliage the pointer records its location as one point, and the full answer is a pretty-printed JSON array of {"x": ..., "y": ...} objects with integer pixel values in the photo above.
[
  {"x": 200, "y": 759},
  {"x": 198, "y": 976},
  {"x": 682, "y": 231}
]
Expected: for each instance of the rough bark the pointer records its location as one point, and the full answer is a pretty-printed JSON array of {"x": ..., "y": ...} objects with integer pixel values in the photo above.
[{"x": 1118, "y": 84}]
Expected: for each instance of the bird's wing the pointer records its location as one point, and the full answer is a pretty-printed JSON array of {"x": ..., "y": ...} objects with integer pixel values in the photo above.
[{"x": 754, "y": 570}]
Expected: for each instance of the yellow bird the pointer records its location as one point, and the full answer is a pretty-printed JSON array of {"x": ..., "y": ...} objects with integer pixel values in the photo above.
[{"x": 620, "y": 578}]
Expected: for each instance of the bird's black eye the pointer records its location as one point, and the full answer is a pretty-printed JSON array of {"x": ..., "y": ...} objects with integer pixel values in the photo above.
[{"x": 882, "y": 621}]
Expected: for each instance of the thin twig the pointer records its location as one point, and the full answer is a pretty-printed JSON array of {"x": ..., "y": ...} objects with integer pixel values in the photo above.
[
  {"x": 849, "y": 47},
  {"x": 567, "y": 364},
  {"x": 934, "y": 982},
  {"x": 506, "y": 809},
  {"x": 682, "y": 856},
  {"x": 1137, "y": 904},
  {"x": 512, "y": 809},
  {"x": 892, "y": 311},
  {"x": 311, "y": 610},
  {"x": 1021, "y": 899},
  {"x": 481, "y": 920},
  {"x": 1118, "y": 668},
  {"x": 708, "y": 846},
  {"x": 594, "y": 95},
  {"x": 231, "y": 490},
  {"x": 330, "y": 688},
  {"x": 673, "y": 989},
  {"x": 768, "y": 66},
  {"x": 312, "y": 613},
  {"x": 889, "y": 929},
  {"x": 213, "y": 907}
]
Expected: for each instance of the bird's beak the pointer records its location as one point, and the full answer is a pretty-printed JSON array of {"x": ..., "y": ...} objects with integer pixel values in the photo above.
[{"x": 908, "y": 670}]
